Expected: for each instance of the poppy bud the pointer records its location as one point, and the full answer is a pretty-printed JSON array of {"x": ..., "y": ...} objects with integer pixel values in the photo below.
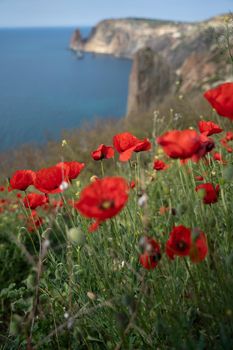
[
  {"x": 91, "y": 296},
  {"x": 76, "y": 236},
  {"x": 93, "y": 178}
]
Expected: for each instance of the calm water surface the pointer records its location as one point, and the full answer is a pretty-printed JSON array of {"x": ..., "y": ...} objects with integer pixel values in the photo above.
[{"x": 45, "y": 89}]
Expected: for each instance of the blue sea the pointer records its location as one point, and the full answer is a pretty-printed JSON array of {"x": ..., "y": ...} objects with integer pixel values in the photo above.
[{"x": 45, "y": 89}]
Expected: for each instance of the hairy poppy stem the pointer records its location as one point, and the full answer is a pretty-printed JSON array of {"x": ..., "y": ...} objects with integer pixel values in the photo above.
[
  {"x": 193, "y": 281},
  {"x": 102, "y": 167}
]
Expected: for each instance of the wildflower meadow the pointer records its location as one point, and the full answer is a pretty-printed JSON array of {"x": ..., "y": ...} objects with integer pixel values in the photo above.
[{"x": 139, "y": 257}]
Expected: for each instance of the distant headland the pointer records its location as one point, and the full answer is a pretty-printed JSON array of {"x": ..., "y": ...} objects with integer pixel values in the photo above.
[{"x": 167, "y": 55}]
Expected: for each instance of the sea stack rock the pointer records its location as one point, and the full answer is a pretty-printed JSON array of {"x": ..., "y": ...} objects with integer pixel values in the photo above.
[
  {"x": 76, "y": 42},
  {"x": 151, "y": 79}
]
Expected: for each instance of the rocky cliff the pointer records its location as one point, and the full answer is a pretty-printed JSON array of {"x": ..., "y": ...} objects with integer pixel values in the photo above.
[
  {"x": 151, "y": 78},
  {"x": 163, "y": 52},
  {"x": 124, "y": 37}
]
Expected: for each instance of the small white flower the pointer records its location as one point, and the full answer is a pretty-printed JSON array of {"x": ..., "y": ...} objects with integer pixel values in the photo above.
[
  {"x": 177, "y": 116},
  {"x": 142, "y": 200},
  {"x": 64, "y": 143},
  {"x": 142, "y": 242},
  {"x": 63, "y": 186},
  {"x": 46, "y": 243},
  {"x": 149, "y": 248},
  {"x": 66, "y": 315}
]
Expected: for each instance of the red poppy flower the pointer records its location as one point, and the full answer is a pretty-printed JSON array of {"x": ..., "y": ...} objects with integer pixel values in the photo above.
[
  {"x": 164, "y": 210},
  {"x": 132, "y": 184},
  {"x": 142, "y": 145},
  {"x": 199, "y": 248},
  {"x": 21, "y": 180},
  {"x": 229, "y": 136},
  {"x": 2, "y": 188},
  {"x": 49, "y": 180},
  {"x": 179, "y": 242},
  {"x": 103, "y": 152},
  {"x": 225, "y": 144},
  {"x": 34, "y": 200},
  {"x": 217, "y": 156},
  {"x": 224, "y": 141},
  {"x": 3, "y": 201},
  {"x": 221, "y": 99},
  {"x": 160, "y": 165},
  {"x": 72, "y": 169},
  {"x": 126, "y": 143},
  {"x": 103, "y": 198},
  {"x": 94, "y": 226},
  {"x": 210, "y": 193},
  {"x": 180, "y": 143},
  {"x": 209, "y": 128},
  {"x": 151, "y": 255},
  {"x": 206, "y": 146},
  {"x": 199, "y": 178}
]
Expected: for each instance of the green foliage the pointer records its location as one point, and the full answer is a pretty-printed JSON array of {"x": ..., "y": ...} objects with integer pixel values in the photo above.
[{"x": 92, "y": 293}]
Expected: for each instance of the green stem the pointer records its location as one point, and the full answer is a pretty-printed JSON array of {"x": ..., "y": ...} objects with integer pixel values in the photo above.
[
  {"x": 193, "y": 281},
  {"x": 102, "y": 167}
]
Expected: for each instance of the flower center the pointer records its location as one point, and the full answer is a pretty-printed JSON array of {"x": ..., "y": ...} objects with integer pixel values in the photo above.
[
  {"x": 107, "y": 204},
  {"x": 209, "y": 146},
  {"x": 156, "y": 257},
  {"x": 181, "y": 246}
]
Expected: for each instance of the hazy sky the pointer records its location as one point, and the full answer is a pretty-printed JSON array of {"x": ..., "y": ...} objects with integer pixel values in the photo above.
[{"x": 25, "y": 13}]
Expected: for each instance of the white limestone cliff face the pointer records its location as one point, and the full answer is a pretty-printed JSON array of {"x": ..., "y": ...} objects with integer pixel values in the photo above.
[
  {"x": 124, "y": 37},
  {"x": 188, "y": 51}
]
